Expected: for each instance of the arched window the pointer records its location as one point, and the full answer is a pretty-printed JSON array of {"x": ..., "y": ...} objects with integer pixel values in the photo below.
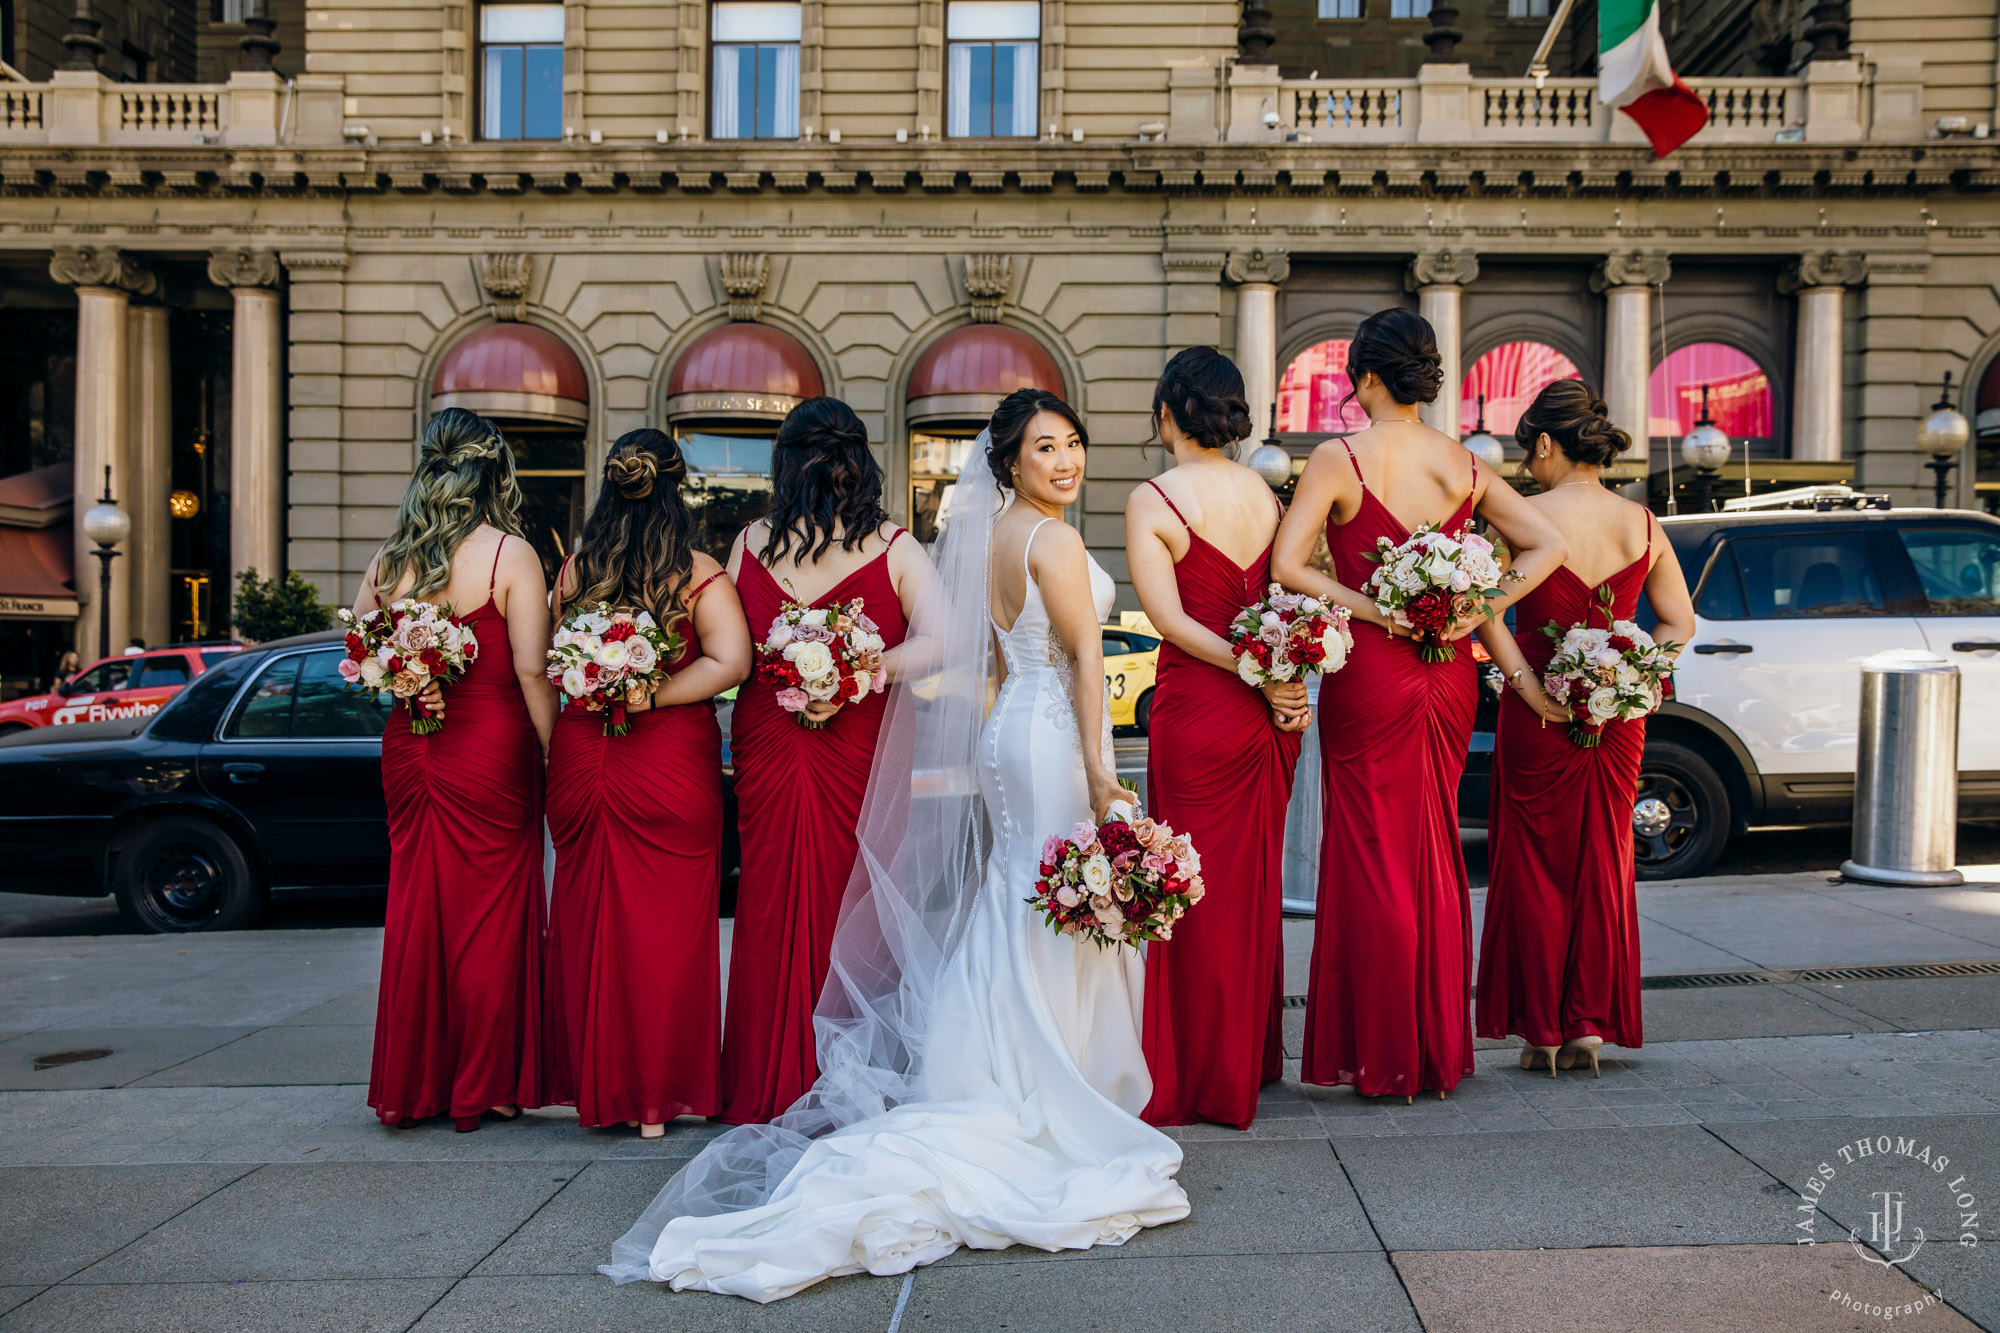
[
  {"x": 1312, "y": 392},
  {"x": 1986, "y": 439},
  {"x": 1508, "y": 378},
  {"x": 1739, "y": 395},
  {"x": 954, "y": 387}
]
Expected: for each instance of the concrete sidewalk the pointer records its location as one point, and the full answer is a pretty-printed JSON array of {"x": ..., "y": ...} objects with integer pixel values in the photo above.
[{"x": 218, "y": 1170}]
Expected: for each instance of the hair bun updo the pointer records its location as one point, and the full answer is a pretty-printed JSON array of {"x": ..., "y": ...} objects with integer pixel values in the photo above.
[
  {"x": 633, "y": 474},
  {"x": 1203, "y": 391},
  {"x": 1571, "y": 414},
  {"x": 1400, "y": 347}
]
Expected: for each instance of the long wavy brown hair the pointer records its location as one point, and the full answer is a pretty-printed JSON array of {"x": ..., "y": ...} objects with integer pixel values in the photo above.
[
  {"x": 464, "y": 477},
  {"x": 637, "y": 550}
]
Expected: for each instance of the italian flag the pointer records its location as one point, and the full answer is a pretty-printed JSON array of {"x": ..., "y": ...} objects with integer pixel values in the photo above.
[{"x": 1633, "y": 75}]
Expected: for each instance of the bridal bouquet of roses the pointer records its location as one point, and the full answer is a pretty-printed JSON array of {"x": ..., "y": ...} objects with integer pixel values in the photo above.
[
  {"x": 821, "y": 654},
  {"x": 1120, "y": 882},
  {"x": 1614, "y": 674},
  {"x": 1286, "y": 635},
  {"x": 1432, "y": 580},
  {"x": 605, "y": 660},
  {"x": 403, "y": 647}
]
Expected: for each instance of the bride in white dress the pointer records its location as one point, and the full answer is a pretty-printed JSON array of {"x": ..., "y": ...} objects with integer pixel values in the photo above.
[{"x": 981, "y": 1075}]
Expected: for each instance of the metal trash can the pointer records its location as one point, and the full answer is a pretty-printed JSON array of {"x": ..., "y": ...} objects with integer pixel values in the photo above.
[{"x": 1906, "y": 775}]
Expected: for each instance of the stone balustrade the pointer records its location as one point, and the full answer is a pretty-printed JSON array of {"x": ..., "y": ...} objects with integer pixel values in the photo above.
[{"x": 80, "y": 108}]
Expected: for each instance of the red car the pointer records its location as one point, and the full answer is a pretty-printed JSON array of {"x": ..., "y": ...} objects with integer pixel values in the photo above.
[{"x": 116, "y": 687}]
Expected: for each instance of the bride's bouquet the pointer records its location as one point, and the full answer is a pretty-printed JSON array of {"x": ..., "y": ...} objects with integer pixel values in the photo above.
[
  {"x": 821, "y": 654},
  {"x": 1120, "y": 882},
  {"x": 1432, "y": 580},
  {"x": 1286, "y": 635},
  {"x": 403, "y": 647},
  {"x": 1614, "y": 674},
  {"x": 605, "y": 660}
]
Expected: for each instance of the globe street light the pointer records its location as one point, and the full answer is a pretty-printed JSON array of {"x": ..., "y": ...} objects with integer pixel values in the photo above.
[
  {"x": 1483, "y": 446},
  {"x": 1943, "y": 436},
  {"x": 1270, "y": 460},
  {"x": 1706, "y": 450},
  {"x": 107, "y": 525}
]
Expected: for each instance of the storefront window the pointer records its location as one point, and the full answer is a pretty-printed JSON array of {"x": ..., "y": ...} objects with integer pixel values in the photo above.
[
  {"x": 1739, "y": 393},
  {"x": 548, "y": 464},
  {"x": 728, "y": 485},
  {"x": 1312, "y": 395},
  {"x": 936, "y": 456},
  {"x": 1509, "y": 377}
]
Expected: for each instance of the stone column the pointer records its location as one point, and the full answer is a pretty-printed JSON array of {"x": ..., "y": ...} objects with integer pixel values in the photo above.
[
  {"x": 150, "y": 469},
  {"x": 105, "y": 282},
  {"x": 1627, "y": 280},
  {"x": 1438, "y": 277},
  {"x": 256, "y": 413},
  {"x": 1819, "y": 281},
  {"x": 1257, "y": 274}
]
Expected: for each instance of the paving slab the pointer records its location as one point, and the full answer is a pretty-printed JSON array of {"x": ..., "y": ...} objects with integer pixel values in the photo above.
[
  {"x": 341, "y": 1220},
  {"x": 1924, "y": 1004},
  {"x": 1752, "y": 1011},
  {"x": 291, "y": 1054},
  {"x": 357, "y": 1006},
  {"x": 1165, "y": 1294},
  {"x": 58, "y": 1220},
  {"x": 597, "y": 1305},
  {"x": 13, "y": 1296},
  {"x": 572, "y": 1233},
  {"x": 135, "y": 1053},
  {"x": 382, "y": 1306},
  {"x": 1671, "y": 1184},
  {"x": 1690, "y": 1289}
]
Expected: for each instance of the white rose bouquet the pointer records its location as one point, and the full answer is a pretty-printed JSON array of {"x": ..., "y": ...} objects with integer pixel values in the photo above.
[
  {"x": 605, "y": 660},
  {"x": 403, "y": 647},
  {"x": 1286, "y": 635},
  {"x": 1432, "y": 580},
  {"x": 1124, "y": 881},
  {"x": 821, "y": 654},
  {"x": 1614, "y": 674}
]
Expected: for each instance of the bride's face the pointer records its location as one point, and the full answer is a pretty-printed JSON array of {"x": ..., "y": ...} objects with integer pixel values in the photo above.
[{"x": 1050, "y": 470}]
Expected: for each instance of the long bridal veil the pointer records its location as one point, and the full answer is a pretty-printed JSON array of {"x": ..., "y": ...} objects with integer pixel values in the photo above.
[{"x": 923, "y": 845}]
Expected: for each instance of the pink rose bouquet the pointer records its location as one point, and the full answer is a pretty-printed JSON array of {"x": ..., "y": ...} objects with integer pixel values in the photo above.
[
  {"x": 605, "y": 660},
  {"x": 1613, "y": 674},
  {"x": 403, "y": 647},
  {"x": 1432, "y": 580},
  {"x": 1286, "y": 635},
  {"x": 1126, "y": 880},
  {"x": 821, "y": 654}
]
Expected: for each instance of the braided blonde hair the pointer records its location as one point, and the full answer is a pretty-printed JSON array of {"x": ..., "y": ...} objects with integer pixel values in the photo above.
[{"x": 464, "y": 477}]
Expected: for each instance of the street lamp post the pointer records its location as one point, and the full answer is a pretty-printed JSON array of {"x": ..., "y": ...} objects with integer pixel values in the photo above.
[
  {"x": 1706, "y": 450},
  {"x": 1483, "y": 446},
  {"x": 1943, "y": 436},
  {"x": 107, "y": 525},
  {"x": 1270, "y": 460}
]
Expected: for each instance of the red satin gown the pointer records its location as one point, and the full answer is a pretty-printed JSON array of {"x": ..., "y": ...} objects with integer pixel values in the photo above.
[
  {"x": 1559, "y": 957},
  {"x": 1218, "y": 771},
  {"x": 798, "y": 801},
  {"x": 1388, "y": 1009},
  {"x": 635, "y": 984},
  {"x": 458, "y": 1023}
]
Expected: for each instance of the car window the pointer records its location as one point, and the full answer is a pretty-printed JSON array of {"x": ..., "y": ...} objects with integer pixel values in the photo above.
[
  {"x": 155, "y": 672},
  {"x": 209, "y": 661},
  {"x": 327, "y": 706},
  {"x": 267, "y": 713},
  {"x": 191, "y": 715},
  {"x": 1808, "y": 574},
  {"x": 1114, "y": 645},
  {"x": 1141, "y": 643},
  {"x": 1959, "y": 568},
  {"x": 1718, "y": 591},
  {"x": 107, "y": 676}
]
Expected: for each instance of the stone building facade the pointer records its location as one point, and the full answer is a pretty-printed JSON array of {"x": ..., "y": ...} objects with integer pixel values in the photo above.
[{"x": 296, "y": 269}]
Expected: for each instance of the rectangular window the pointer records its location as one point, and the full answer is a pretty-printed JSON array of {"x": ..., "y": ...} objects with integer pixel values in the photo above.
[
  {"x": 1409, "y": 9},
  {"x": 231, "y": 11},
  {"x": 521, "y": 63},
  {"x": 992, "y": 68},
  {"x": 756, "y": 48},
  {"x": 1959, "y": 568},
  {"x": 1340, "y": 9},
  {"x": 1808, "y": 574},
  {"x": 1527, "y": 9}
]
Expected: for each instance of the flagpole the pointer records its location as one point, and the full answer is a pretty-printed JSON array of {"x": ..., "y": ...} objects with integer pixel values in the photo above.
[{"x": 1538, "y": 68}]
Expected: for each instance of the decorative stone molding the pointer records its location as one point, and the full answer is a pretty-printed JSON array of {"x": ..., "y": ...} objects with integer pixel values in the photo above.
[
  {"x": 102, "y": 266},
  {"x": 1822, "y": 268},
  {"x": 743, "y": 277},
  {"x": 505, "y": 278},
  {"x": 1269, "y": 266},
  {"x": 986, "y": 281},
  {"x": 1193, "y": 265},
  {"x": 233, "y": 267},
  {"x": 316, "y": 261},
  {"x": 1637, "y": 268},
  {"x": 1441, "y": 268}
]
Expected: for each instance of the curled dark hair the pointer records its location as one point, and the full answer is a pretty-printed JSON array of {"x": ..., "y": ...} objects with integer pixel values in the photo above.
[
  {"x": 1569, "y": 413},
  {"x": 1203, "y": 391},
  {"x": 823, "y": 476},
  {"x": 1009, "y": 427},
  {"x": 638, "y": 543},
  {"x": 1401, "y": 346}
]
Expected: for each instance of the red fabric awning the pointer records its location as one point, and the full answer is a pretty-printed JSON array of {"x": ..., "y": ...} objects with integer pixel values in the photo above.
[
  {"x": 513, "y": 372},
  {"x": 969, "y": 370},
  {"x": 742, "y": 370},
  {"x": 37, "y": 499},
  {"x": 37, "y": 573}
]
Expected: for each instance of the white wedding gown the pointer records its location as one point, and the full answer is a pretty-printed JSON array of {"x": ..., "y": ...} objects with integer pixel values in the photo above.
[{"x": 1026, "y": 1131}]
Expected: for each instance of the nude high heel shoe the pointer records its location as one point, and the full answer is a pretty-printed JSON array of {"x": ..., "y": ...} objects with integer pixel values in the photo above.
[
  {"x": 1535, "y": 1057},
  {"x": 1578, "y": 1051}
]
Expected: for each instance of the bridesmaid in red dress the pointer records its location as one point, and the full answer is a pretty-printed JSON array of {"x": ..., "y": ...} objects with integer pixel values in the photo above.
[
  {"x": 798, "y": 789},
  {"x": 1559, "y": 958},
  {"x": 1389, "y": 1007},
  {"x": 634, "y": 944},
  {"x": 1198, "y": 542},
  {"x": 458, "y": 1025}
]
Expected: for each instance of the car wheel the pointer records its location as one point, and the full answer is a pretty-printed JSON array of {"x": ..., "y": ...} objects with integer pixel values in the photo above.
[
  {"x": 1142, "y": 716},
  {"x": 178, "y": 875},
  {"x": 1680, "y": 813}
]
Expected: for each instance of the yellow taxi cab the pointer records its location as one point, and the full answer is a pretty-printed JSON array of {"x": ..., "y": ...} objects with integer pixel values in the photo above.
[{"x": 1131, "y": 660}]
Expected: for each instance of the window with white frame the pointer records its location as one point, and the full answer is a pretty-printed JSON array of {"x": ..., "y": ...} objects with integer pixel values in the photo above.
[
  {"x": 521, "y": 71},
  {"x": 1527, "y": 9},
  {"x": 1409, "y": 9},
  {"x": 992, "y": 68},
  {"x": 1340, "y": 9},
  {"x": 756, "y": 58}
]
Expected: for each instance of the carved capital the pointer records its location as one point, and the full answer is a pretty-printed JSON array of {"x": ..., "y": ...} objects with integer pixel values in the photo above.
[
  {"x": 743, "y": 277},
  {"x": 1441, "y": 268},
  {"x": 102, "y": 266},
  {"x": 1822, "y": 268},
  {"x": 1635, "y": 268},
  {"x": 505, "y": 278},
  {"x": 1272, "y": 266},
  {"x": 234, "y": 267},
  {"x": 987, "y": 278}
]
